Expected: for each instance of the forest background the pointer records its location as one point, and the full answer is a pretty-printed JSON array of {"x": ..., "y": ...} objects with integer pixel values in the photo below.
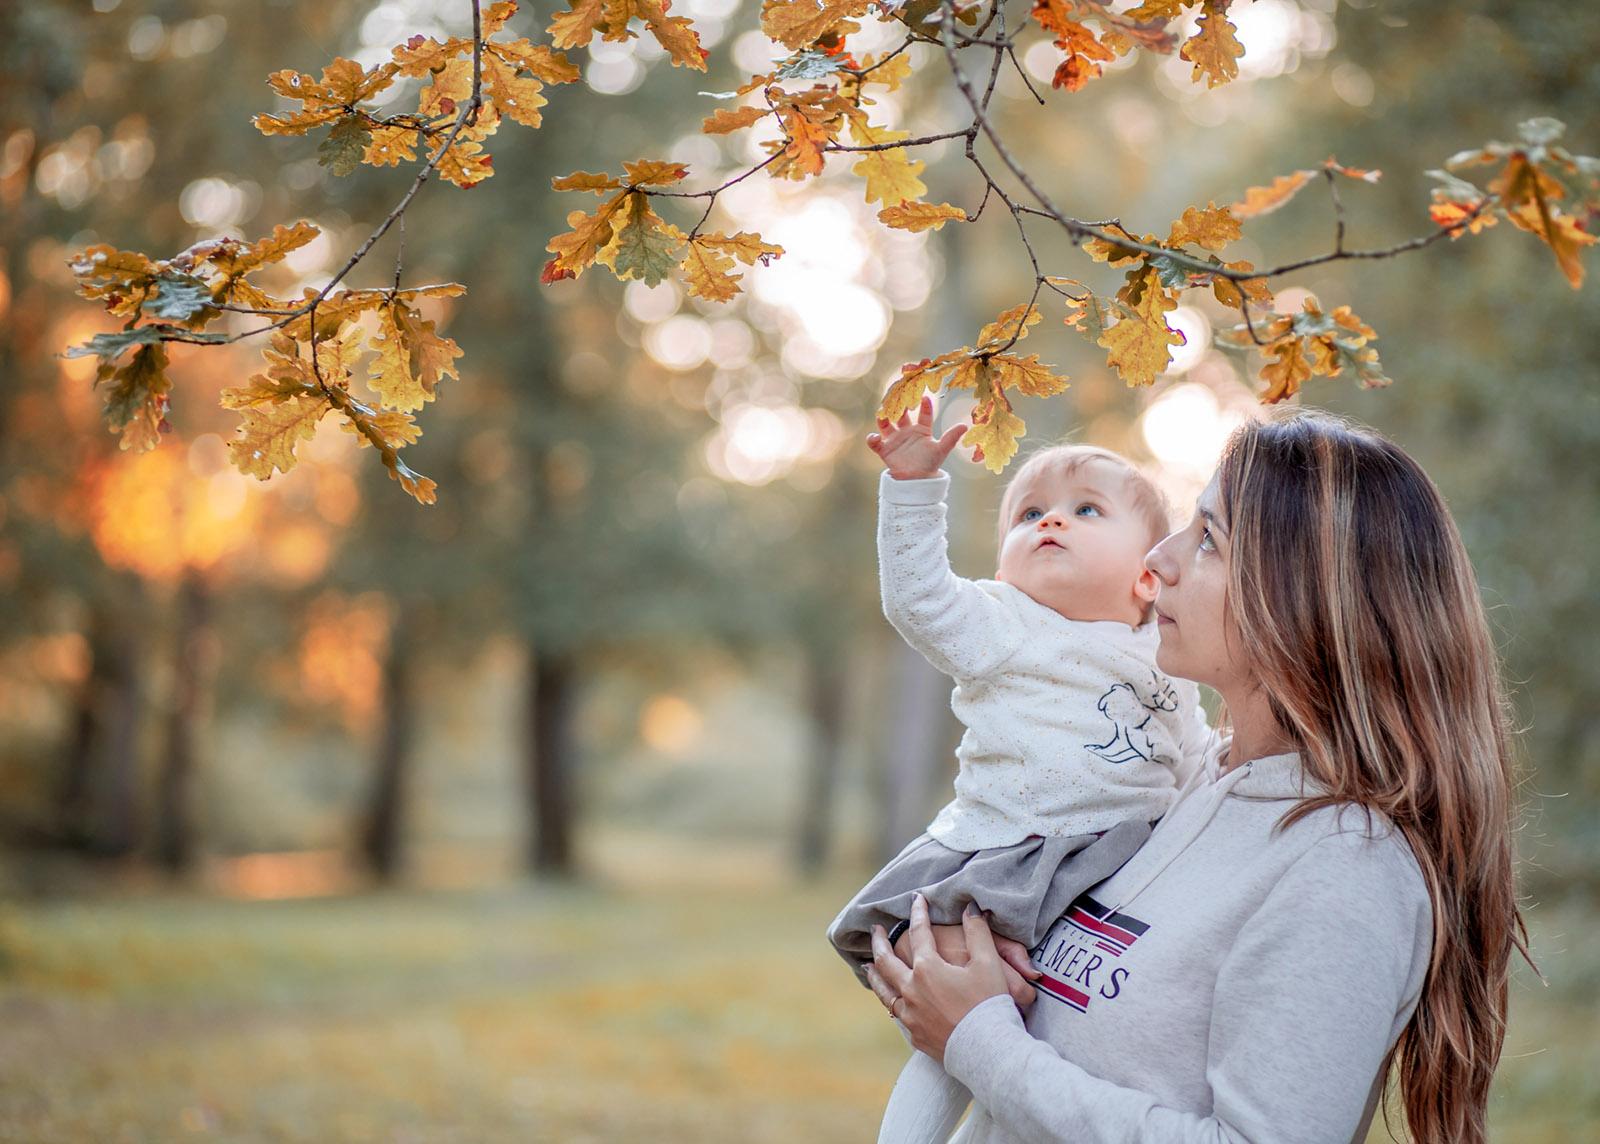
[{"x": 325, "y": 814}]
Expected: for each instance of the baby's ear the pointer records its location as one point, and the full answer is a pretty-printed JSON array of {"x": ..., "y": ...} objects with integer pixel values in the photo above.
[{"x": 1146, "y": 587}]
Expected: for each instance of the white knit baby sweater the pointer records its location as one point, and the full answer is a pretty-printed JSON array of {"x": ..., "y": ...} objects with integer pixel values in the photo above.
[{"x": 1070, "y": 727}]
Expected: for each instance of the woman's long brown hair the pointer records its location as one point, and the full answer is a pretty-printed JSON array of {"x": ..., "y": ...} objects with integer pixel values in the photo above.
[{"x": 1355, "y": 601}]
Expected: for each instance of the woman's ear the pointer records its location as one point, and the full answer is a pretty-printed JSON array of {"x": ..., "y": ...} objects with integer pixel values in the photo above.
[{"x": 1146, "y": 587}]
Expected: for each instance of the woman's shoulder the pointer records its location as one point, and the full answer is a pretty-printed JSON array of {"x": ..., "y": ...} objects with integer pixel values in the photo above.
[{"x": 1351, "y": 845}]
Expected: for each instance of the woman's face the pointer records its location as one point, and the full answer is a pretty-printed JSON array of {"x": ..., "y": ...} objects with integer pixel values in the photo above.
[{"x": 1197, "y": 638}]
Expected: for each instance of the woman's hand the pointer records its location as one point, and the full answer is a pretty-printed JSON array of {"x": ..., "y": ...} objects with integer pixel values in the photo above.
[
  {"x": 908, "y": 449},
  {"x": 951, "y": 942},
  {"x": 930, "y": 996}
]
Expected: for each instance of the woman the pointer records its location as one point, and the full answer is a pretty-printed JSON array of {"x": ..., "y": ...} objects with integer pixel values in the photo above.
[{"x": 1333, "y": 894}]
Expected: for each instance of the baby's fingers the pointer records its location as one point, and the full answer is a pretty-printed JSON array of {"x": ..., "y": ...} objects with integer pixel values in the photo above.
[{"x": 952, "y": 438}]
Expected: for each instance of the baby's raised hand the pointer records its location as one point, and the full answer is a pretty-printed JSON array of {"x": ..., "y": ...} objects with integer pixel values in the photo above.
[{"x": 908, "y": 449}]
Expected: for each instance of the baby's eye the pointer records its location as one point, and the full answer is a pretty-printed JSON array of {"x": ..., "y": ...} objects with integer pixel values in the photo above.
[
  {"x": 1087, "y": 510},
  {"x": 1030, "y": 514}
]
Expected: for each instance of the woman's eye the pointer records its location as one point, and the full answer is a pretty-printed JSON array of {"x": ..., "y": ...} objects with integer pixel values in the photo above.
[
  {"x": 1088, "y": 510},
  {"x": 1207, "y": 542},
  {"x": 1030, "y": 514}
]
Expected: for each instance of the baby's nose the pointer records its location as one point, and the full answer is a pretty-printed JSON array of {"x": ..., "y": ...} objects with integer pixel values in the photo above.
[{"x": 1053, "y": 520}]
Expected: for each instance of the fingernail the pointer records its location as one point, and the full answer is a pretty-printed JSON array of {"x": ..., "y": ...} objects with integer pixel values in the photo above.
[{"x": 971, "y": 910}]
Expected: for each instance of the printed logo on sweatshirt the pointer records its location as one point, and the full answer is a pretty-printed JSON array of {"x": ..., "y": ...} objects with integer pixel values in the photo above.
[{"x": 1078, "y": 957}]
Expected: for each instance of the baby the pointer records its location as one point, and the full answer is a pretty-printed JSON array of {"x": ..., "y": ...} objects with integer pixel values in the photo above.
[{"x": 1074, "y": 741}]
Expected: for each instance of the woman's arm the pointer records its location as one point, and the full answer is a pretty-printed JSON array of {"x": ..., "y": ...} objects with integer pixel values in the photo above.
[{"x": 1306, "y": 1007}]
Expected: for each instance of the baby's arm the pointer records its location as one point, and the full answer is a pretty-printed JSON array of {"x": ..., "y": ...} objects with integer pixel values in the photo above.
[{"x": 957, "y": 626}]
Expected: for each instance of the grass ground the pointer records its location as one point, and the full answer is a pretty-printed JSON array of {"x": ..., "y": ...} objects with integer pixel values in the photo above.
[{"x": 549, "y": 1014}]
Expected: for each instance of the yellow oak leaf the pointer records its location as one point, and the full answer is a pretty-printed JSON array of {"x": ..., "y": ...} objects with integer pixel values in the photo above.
[
  {"x": 391, "y": 145},
  {"x": 708, "y": 271},
  {"x": 575, "y": 27},
  {"x": 1215, "y": 48},
  {"x": 344, "y": 83},
  {"x": 1232, "y": 293},
  {"x": 654, "y": 172},
  {"x": 1026, "y": 375},
  {"x": 1114, "y": 254},
  {"x": 921, "y": 216},
  {"x": 891, "y": 71},
  {"x": 395, "y": 428},
  {"x": 1212, "y": 228},
  {"x": 727, "y": 119},
  {"x": 536, "y": 59},
  {"x": 891, "y": 177},
  {"x": 797, "y": 24},
  {"x": 917, "y": 378},
  {"x": 674, "y": 33},
  {"x": 515, "y": 95},
  {"x": 1260, "y": 201},
  {"x": 1287, "y": 370},
  {"x": 575, "y": 251},
  {"x": 584, "y": 181},
  {"x": 709, "y": 262},
  {"x": 137, "y": 397},
  {"x": 1015, "y": 321},
  {"x": 269, "y": 433},
  {"x": 120, "y": 278},
  {"x": 1139, "y": 344},
  {"x": 995, "y": 428},
  {"x": 1560, "y": 232}
]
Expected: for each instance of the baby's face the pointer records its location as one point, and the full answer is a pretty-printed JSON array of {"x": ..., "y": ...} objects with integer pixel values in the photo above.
[{"x": 1075, "y": 542}]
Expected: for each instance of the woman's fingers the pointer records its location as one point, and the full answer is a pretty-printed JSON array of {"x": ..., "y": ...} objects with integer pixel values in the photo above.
[
  {"x": 980, "y": 938},
  {"x": 1015, "y": 954},
  {"x": 880, "y": 988},
  {"x": 1021, "y": 992},
  {"x": 920, "y": 935},
  {"x": 895, "y": 973}
]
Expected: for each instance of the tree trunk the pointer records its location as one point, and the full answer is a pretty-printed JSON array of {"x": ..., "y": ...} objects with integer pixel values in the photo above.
[
  {"x": 175, "y": 830},
  {"x": 73, "y": 826},
  {"x": 916, "y": 751},
  {"x": 826, "y": 676},
  {"x": 97, "y": 802},
  {"x": 386, "y": 804},
  {"x": 550, "y": 763}
]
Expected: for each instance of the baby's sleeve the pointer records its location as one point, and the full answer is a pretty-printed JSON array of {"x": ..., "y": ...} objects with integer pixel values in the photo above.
[
  {"x": 957, "y": 626},
  {"x": 1198, "y": 735}
]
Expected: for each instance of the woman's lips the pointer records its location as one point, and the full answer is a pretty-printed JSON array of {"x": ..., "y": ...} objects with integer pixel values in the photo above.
[{"x": 1163, "y": 618}]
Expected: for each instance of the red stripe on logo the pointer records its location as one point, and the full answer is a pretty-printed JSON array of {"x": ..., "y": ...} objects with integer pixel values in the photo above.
[
  {"x": 1064, "y": 991},
  {"x": 1079, "y": 917}
]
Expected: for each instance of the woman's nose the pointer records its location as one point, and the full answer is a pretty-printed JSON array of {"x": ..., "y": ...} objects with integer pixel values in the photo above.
[{"x": 1159, "y": 561}]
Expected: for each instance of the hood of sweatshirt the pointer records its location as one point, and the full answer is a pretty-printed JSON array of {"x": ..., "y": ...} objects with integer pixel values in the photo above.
[{"x": 1272, "y": 778}]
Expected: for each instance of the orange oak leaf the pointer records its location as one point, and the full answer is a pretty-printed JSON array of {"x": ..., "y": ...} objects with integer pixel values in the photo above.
[
  {"x": 798, "y": 24},
  {"x": 1286, "y": 371},
  {"x": 1213, "y": 228},
  {"x": 1560, "y": 232},
  {"x": 1215, "y": 48},
  {"x": 1260, "y": 201},
  {"x": 728, "y": 119},
  {"x": 920, "y": 216}
]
